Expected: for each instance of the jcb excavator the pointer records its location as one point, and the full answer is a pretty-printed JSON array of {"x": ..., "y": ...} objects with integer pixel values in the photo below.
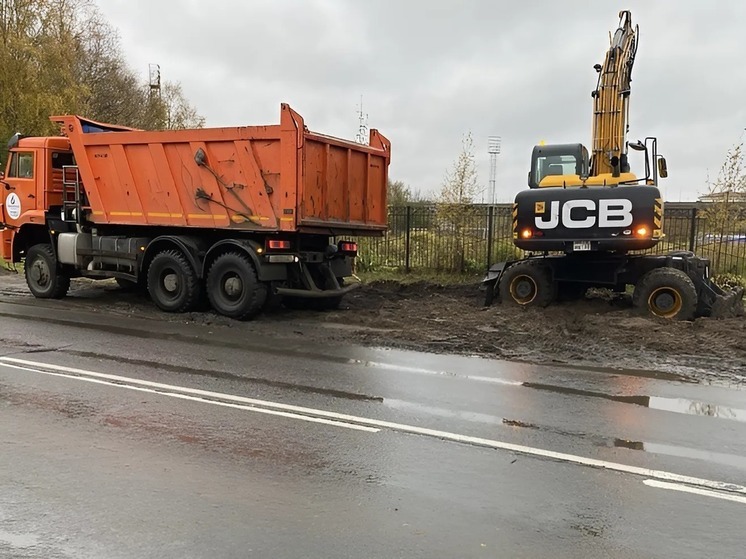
[{"x": 584, "y": 213}]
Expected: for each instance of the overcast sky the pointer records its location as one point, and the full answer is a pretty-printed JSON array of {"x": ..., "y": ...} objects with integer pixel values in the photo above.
[{"x": 431, "y": 70}]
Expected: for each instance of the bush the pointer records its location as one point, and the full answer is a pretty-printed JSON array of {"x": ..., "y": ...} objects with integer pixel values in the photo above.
[{"x": 729, "y": 281}]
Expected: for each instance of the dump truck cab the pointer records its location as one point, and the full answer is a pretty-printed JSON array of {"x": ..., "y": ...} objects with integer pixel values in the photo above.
[{"x": 32, "y": 184}]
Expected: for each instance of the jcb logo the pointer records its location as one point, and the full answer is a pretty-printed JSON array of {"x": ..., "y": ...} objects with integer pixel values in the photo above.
[{"x": 584, "y": 214}]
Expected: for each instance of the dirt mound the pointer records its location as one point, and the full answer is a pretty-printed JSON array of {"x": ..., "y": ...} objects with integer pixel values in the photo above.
[{"x": 601, "y": 331}]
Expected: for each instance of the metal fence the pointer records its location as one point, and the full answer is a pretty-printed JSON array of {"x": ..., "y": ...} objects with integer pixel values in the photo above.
[{"x": 470, "y": 238}]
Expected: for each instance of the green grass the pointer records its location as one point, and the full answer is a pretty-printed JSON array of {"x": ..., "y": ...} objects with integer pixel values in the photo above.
[{"x": 431, "y": 276}]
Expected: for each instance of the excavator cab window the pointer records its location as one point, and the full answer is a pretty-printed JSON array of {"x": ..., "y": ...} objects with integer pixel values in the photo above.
[{"x": 566, "y": 159}]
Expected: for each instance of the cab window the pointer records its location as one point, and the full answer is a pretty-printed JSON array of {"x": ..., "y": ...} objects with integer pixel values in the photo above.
[
  {"x": 556, "y": 165},
  {"x": 22, "y": 165},
  {"x": 62, "y": 159}
]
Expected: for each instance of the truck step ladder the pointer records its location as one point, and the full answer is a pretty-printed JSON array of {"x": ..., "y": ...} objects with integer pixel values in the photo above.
[{"x": 71, "y": 193}]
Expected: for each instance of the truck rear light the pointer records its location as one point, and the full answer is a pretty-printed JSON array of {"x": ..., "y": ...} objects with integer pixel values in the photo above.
[
  {"x": 348, "y": 247},
  {"x": 277, "y": 244}
]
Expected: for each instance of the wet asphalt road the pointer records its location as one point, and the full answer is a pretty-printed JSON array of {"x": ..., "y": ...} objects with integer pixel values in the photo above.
[{"x": 392, "y": 454}]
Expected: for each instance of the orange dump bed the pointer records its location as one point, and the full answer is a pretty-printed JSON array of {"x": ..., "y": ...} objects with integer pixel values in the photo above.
[{"x": 255, "y": 178}]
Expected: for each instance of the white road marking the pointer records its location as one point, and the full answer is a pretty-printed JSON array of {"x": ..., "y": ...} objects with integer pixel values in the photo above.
[
  {"x": 204, "y": 400},
  {"x": 208, "y": 396},
  {"x": 695, "y": 490},
  {"x": 423, "y": 371}
]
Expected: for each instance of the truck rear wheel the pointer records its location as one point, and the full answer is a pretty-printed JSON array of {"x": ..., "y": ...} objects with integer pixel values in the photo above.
[
  {"x": 528, "y": 283},
  {"x": 43, "y": 277},
  {"x": 172, "y": 282},
  {"x": 666, "y": 293},
  {"x": 233, "y": 287}
]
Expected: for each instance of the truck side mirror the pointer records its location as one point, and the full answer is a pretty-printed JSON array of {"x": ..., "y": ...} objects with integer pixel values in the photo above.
[{"x": 662, "y": 168}]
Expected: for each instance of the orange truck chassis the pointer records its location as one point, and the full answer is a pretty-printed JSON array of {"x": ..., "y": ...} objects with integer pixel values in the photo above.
[{"x": 235, "y": 215}]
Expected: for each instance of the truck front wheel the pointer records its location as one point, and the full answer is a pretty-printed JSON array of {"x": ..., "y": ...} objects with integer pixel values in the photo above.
[
  {"x": 172, "y": 282},
  {"x": 233, "y": 287},
  {"x": 666, "y": 293},
  {"x": 43, "y": 277},
  {"x": 528, "y": 283}
]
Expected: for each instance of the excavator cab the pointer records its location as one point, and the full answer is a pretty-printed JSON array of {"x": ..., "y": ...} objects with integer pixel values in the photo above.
[{"x": 558, "y": 165}]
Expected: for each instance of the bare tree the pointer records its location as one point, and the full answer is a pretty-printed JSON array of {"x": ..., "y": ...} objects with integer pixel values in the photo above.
[{"x": 455, "y": 211}]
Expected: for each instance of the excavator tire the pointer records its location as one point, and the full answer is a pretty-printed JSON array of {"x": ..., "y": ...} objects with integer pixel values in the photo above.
[
  {"x": 528, "y": 283},
  {"x": 666, "y": 293}
]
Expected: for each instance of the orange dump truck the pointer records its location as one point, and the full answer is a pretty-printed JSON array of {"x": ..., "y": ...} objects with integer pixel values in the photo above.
[{"x": 236, "y": 214}]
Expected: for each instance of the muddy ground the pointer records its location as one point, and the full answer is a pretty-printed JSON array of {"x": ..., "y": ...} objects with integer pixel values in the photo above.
[{"x": 600, "y": 331}]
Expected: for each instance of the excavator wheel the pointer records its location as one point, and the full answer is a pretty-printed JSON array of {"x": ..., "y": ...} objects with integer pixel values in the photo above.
[
  {"x": 666, "y": 293},
  {"x": 528, "y": 283}
]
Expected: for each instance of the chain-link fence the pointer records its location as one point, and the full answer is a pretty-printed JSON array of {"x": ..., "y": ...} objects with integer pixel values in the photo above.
[{"x": 471, "y": 238}]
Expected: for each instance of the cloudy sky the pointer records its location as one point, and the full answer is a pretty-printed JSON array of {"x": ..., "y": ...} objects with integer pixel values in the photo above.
[{"x": 431, "y": 70}]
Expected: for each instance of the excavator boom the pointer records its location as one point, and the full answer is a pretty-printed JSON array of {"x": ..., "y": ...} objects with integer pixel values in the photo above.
[{"x": 611, "y": 101}]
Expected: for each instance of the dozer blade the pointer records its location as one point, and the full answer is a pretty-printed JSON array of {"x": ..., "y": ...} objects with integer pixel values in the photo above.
[{"x": 729, "y": 304}]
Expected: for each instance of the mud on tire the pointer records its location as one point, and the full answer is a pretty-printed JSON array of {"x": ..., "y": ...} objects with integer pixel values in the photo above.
[
  {"x": 43, "y": 277},
  {"x": 528, "y": 283},
  {"x": 173, "y": 284},
  {"x": 666, "y": 293},
  {"x": 233, "y": 287}
]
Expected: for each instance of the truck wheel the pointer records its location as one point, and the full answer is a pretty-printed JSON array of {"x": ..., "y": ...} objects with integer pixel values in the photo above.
[
  {"x": 666, "y": 293},
  {"x": 528, "y": 283},
  {"x": 233, "y": 288},
  {"x": 43, "y": 277},
  {"x": 172, "y": 283}
]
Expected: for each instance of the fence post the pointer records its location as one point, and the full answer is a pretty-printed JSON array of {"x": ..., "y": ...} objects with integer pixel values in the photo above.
[
  {"x": 407, "y": 237},
  {"x": 693, "y": 230},
  {"x": 490, "y": 233}
]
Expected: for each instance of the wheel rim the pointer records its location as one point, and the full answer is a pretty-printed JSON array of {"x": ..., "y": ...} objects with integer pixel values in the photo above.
[
  {"x": 665, "y": 302},
  {"x": 523, "y": 289},
  {"x": 232, "y": 287},
  {"x": 40, "y": 273},
  {"x": 171, "y": 283}
]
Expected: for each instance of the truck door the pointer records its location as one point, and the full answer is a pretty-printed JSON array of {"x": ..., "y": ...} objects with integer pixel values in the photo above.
[
  {"x": 18, "y": 195},
  {"x": 19, "y": 190}
]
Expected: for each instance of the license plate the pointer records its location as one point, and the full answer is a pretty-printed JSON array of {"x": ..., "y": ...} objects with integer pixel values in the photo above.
[{"x": 581, "y": 245}]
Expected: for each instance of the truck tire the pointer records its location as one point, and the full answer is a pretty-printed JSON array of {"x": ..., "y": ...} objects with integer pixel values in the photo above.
[
  {"x": 666, "y": 293},
  {"x": 173, "y": 284},
  {"x": 528, "y": 283},
  {"x": 43, "y": 277},
  {"x": 233, "y": 287}
]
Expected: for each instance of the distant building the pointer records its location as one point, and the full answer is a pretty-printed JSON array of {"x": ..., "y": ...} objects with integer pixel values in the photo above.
[{"x": 727, "y": 196}]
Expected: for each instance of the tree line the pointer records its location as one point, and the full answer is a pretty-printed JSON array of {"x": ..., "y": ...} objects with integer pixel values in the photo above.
[{"x": 63, "y": 57}]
